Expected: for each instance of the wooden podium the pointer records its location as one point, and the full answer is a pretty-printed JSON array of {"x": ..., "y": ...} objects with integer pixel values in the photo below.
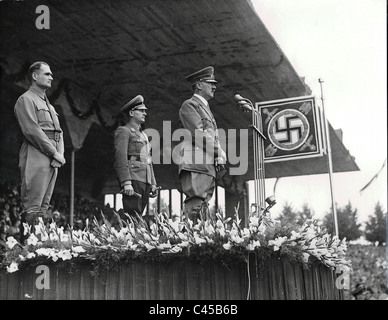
[{"x": 178, "y": 279}]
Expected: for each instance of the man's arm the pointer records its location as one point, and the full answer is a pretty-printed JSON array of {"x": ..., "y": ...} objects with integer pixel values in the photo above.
[
  {"x": 121, "y": 141},
  {"x": 192, "y": 121},
  {"x": 28, "y": 122}
]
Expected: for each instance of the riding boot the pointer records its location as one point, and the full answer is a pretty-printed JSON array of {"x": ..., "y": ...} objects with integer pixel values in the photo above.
[{"x": 28, "y": 218}]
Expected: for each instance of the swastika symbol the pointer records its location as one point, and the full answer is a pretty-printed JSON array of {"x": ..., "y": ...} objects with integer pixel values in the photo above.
[{"x": 288, "y": 129}]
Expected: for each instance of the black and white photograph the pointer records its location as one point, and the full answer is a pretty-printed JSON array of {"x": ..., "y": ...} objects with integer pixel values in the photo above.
[{"x": 194, "y": 156}]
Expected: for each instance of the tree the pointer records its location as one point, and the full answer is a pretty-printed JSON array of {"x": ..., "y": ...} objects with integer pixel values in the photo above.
[
  {"x": 347, "y": 223},
  {"x": 305, "y": 214},
  {"x": 288, "y": 217},
  {"x": 376, "y": 228}
]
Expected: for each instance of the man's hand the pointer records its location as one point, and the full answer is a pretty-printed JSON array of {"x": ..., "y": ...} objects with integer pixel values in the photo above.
[
  {"x": 59, "y": 158},
  {"x": 56, "y": 164},
  {"x": 220, "y": 161},
  {"x": 129, "y": 191},
  {"x": 154, "y": 191}
]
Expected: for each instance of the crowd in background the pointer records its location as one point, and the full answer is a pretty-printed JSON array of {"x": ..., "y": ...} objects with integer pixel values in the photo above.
[
  {"x": 10, "y": 211},
  {"x": 368, "y": 279}
]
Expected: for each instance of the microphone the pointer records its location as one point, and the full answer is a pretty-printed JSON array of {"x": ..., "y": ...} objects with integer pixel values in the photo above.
[{"x": 243, "y": 103}]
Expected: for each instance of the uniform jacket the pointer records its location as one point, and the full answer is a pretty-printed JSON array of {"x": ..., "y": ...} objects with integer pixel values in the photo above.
[
  {"x": 198, "y": 154},
  {"x": 39, "y": 123},
  {"x": 131, "y": 142}
]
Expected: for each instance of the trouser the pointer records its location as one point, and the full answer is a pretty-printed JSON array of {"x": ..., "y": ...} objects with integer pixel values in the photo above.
[
  {"x": 199, "y": 189},
  {"x": 134, "y": 205},
  {"x": 38, "y": 179}
]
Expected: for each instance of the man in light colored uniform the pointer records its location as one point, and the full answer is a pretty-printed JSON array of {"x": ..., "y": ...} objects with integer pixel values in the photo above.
[
  {"x": 42, "y": 151},
  {"x": 202, "y": 156}
]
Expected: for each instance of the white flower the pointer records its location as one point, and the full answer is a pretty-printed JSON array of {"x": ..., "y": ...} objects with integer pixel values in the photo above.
[
  {"x": 310, "y": 233},
  {"x": 64, "y": 237},
  {"x": 44, "y": 236},
  {"x": 294, "y": 235},
  {"x": 53, "y": 237},
  {"x": 277, "y": 243},
  {"x": 199, "y": 240},
  {"x": 38, "y": 229},
  {"x": 175, "y": 225},
  {"x": 262, "y": 228},
  {"x": 146, "y": 237},
  {"x": 183, "y": 244},
  {"x": 32, "y": 239},
  {"x": 227, "y": 246},
  {"x": 22, "y": 258},
  {"x": 27, "y": 228},
  {"x": 182, "y": 236},
  {"x": 78, "y": 249},
  {"x": 306, "y": 256},
  {"x": 246, "y": 233},
  {"x": 165, "y": 230},
  {"x": 220, "y": 225},
  {"x": 30, "y": 255},
  {"x": 209, "y": 228},
  {"x": 12, "y": 267},
  {"x": 11, "y": 242},
  {"x": 254, "y": 221},
  {"x": 253, "y": 245},
  {"x": 165, "y": 245},
  {"x": 175, "y": 249},
  {"x": 236, "y": 238},
  {"x": 64, "y": 254},
  {"x": 43, "y": 252},
  {"x": 122, "y": 233},
  {"x": 148, "y": 246}
]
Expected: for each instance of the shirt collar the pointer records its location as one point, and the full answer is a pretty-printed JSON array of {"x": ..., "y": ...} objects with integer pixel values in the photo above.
[
  {"x": 39, "y": 94},
  {"x": 203, "y": 100}
]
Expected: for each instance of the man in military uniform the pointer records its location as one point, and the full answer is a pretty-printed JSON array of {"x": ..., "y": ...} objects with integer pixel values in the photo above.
[
  {"x": 132, "y": 159},
  {"x": 203, "y": 156},
  {"x": 42, "y": 151}
]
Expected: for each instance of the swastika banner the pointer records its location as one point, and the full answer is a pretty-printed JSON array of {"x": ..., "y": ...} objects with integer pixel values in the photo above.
[{"x": 292, "y": 128}]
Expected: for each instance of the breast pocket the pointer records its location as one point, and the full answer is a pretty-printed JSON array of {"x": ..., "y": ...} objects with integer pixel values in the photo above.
[
  {"x": 43, "y": 114},
  {"x": 207, "y": 124}
]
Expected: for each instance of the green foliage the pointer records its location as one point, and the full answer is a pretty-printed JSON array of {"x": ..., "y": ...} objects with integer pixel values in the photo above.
[
  {"x": 347, "y": 223},
  {"x": 376, "y": 227}
]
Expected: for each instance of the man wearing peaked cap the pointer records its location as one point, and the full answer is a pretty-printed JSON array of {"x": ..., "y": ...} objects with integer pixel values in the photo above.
[
  {"x": 203, "y": 75},
  {"x": 132, "y": 159},
  {"x": 199, "y": 162},
  {"x": 137, "y": 103}
]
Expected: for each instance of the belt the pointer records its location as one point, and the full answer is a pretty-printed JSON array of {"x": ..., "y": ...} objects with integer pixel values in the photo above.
[
  {"x": 142, "y": 159},
  {"x": 54, "y": 135}
]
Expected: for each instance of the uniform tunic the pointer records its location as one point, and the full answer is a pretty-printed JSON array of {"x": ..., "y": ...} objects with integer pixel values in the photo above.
[
  {"x": 133, "y": 162},
  {"x": 43, "y": 137},
  {"x": 197, "y": 170}
]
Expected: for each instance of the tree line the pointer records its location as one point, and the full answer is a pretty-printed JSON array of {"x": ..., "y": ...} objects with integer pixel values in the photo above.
[{"x": 374, "y": 230}]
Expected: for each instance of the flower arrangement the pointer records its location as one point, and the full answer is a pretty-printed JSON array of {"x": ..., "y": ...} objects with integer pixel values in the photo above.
[{"x": 103, "y": 246}]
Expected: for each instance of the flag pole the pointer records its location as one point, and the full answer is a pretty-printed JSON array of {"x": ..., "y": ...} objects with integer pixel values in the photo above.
[
  {"x": 72, "y": 188},
  {"x": 329, "y": 161}
]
